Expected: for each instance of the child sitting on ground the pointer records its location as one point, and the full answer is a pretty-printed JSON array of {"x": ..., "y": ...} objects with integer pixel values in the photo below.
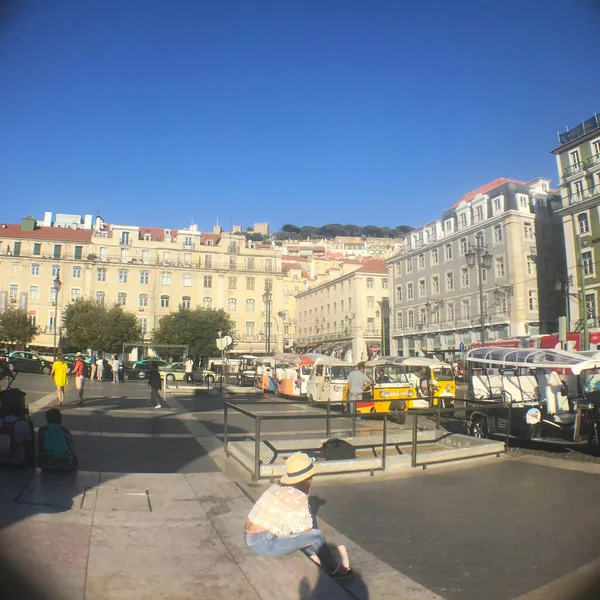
[{"x": 55, "y": 444}]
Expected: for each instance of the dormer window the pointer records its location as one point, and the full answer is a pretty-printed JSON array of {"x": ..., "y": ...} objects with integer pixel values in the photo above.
[
  {"x": 462, "y": 220},
  {"x": 147, "y": 237}
]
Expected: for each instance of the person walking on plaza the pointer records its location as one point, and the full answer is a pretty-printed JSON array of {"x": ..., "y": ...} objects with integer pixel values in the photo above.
[
  {"x": 79, "y": 372},
  {"x": 281, "y": 522},
  {"x": 189, "y": 369},
  {"x": 358, "y": 382},
  {"x": 100, "y": 367},
  {"x": 93, "y": 366},
  {"x": 59, "y": 374},
  {"x": 155, "y": 384},
  {"x": 116, "y": 365}
]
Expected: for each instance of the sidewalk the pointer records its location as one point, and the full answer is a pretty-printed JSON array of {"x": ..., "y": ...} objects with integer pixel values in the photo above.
[{"x": 101, "y": 537}]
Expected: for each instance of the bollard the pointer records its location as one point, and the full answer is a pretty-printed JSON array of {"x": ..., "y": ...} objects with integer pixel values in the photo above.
[
  {"x": 328, "y": 424},
  {"x": 413, "y": 458},
  {"x": 226, "y": 439},
  {"x": 256, "y": 474},
  {"x": 384, "y": 451}
]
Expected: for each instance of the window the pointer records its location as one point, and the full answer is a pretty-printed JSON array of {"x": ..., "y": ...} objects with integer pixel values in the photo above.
[
  {"x": 398, "y": 269},
  {"x": 103, "y": 253},
  {"x": 55, "y": 271},
  {"x": 187, "y": 280},
  {"x": 448, "y": 225},
  {"x": 76, "y": 272},
  {"x": 167, "y": 258},
  {"x": 143, "y": 325},
  {"x": 574, "y": 157},
  {"x": 15, "y": 268},
  {"x": 370, "y": 324},
  {"x": 497, "y": 205},
  {"x": 75, "y": 294},
  {"x": 409, "y": 265},
  {"x": 435, "y": 284},
  {"x": 143, "y": 300},
  {"x": 250, "y": 305},
  {"x": 370, "y": 302},
  {"x": 77, "y": 252},
  {"x": 523, "y": 201},
  {"x": 578, "y": 190},
  {"x": 466, "y": 308},
  {"x": 57, "y": 251},
  {"x": 588, "y": 263},
  {"x": 464, "y": 277},
  {"x": 124, "y": 254},
  {"x": 450, "y": 312},
  {"x": 122, "y": 276},
  {"x": 531, "y": 268},
  {"x": 479, "y": 213},
  {"x": 528, "y": 230},
  {"x": 596, "y": 148},
  {"x": 35, "y": 269},
  {"x": 462, "y": 221},
  {"x": 231, "y": 304},
  {"x": 462, "y": 246},
  {"x": 207, "y": 281},
  {"x": 146, "y": 257},
  {"x": 409, "y": 291},
  {"x": 187, "y": 259},
  {"x": 268, "y": 264},
  {"x": 384, "y": 283},
  {"x": 411, "y": 318},
  {"x": 499, "y": 266},
  {"x": 370, "y": 283},
  {"x": 207, "y": 302},
  {"x": 422, "y": 288},
  {"x": 100, "y": 297},
  {"x": 122, "y": 298},
  {"x": 368, "y": 297},
  {"x": 164, "y": 301},
  {"x": 435, "y": 259},
  {"x": 186, "y": 301},
  {"x": 583, "y": 223},
  {"x": 449, "y": 282},
  {"x": 208, "y": 261},
  {"x": 34, "y": 292},
  {"x": 250, "y": 329},
  {"x": 448, "y": 252},
  {"x": 398, "y": 294},
  {"x": 37, "y": 249},
  {"x": 188, "y": 242},
  {"x": 101, "y": 274},
  {"x": 144, "y": 277},
  {"x": 421, "y": 261},
  {"x": 498, "y": 234},
  {"x": 232, "y": 283},
  {"x": 533, "y": 300},
  {"x": 590, "y": 302},
  {"x": 250, "y": 283},
  {"x": 125, "y": 237},
  {"x": 399, "y": 320},
  {"x": 165, "y": 278},
  {"x": 250, "y": 263}
]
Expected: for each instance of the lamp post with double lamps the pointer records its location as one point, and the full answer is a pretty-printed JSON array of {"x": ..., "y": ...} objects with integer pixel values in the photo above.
[
  {"x": 267, "y": 300},
  {"x": 56, "y": 285},
  {"x": 478, "y": 255}
]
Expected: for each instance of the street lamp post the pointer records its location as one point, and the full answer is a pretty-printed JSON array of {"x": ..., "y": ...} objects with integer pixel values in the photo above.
[
  {"x": 478, "y": 255},
  {"x": 56, "y": 285},
  {"x": 267, "y": 300}
]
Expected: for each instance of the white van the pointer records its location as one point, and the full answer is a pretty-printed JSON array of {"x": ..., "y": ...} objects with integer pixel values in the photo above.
[{"x": 328, "y": 380}]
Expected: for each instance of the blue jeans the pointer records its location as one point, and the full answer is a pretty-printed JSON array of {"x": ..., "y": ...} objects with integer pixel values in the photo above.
[{"x": 268, "y": 544}]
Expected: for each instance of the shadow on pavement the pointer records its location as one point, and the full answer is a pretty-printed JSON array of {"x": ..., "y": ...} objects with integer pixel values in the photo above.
[{"x": 355, "y": 588}]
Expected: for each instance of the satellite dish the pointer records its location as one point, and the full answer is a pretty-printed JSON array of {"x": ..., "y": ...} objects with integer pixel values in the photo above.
[{"x": 227, "y": 341}]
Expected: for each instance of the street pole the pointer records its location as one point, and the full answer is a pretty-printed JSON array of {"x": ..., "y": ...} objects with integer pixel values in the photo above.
[
  {"x": 267, "y": 299},
  {"x": 478, "y": 255},
  {"x": 482, "y": 316},
  {"x": 56, "y": 285},
  {"x": 582, "y": 299}
]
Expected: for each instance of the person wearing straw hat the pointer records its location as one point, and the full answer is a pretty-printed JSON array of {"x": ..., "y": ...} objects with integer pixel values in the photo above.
[{"x": 281, "y": 523}]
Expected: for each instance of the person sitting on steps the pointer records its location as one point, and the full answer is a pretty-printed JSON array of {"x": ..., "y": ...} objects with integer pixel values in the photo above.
[
  {"x": 55, "y": 444},
  {"x": 281, "y": 523}
]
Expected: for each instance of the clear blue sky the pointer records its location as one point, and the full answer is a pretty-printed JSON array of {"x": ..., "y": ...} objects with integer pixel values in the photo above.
[{"x": 308, "y": 112}]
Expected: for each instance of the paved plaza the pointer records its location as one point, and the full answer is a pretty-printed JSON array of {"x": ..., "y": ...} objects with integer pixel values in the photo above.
[{"x": 157, "y": 511}]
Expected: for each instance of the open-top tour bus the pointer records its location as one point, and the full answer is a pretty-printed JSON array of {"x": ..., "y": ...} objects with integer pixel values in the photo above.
[
  {"x": 292, "y": 372},
  {"x": 328, "y": 379},
  {"x": 554, "y": 394}
]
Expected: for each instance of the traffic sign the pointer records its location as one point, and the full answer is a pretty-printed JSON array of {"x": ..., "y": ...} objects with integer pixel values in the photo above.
[{"x": 227, "y": 341}]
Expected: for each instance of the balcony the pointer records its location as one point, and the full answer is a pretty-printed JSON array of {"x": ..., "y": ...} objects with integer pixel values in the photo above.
[
  {"x": 583, "y": 129},
  {"x": 586, "y": 194}
]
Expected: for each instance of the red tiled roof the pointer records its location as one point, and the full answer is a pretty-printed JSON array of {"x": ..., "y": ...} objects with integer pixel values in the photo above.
[
  {"x": 488, "y": 187},
  {"x": 294, "y": 258},
  {"x": 156, "y": 232},
  {"x": 375, "y": 265},
  {"x": 66, "y": 234},
  {"x": 204, "y": 237}
]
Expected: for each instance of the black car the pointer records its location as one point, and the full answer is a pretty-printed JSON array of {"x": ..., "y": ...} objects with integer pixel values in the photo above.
[{"x": 29, "y": 362}]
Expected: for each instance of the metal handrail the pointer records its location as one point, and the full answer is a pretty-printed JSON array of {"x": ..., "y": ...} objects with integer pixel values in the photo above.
[{"x": 484, "y": 406}]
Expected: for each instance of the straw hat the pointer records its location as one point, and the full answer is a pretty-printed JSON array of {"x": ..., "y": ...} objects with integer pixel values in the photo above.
[
  {"x": 77, "y": 354},
  {"x": 298, "y": 467}
]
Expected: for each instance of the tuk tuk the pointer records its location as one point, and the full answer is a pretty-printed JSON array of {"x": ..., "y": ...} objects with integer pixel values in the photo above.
[
  {"x": 292, "y": 372},
  {"x": 550, "y": 394},
  {"x": 433, "y": 379},
  {"x": 265, "y": 374},
  {"x": 328, "y": 380}
]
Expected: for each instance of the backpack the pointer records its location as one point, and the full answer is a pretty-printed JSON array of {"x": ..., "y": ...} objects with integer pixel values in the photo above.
[
  {"x": 55, "y": 442},
  {"x": 336, "y": 449},
  {"x": 8, "y": 442},
  {"x": 86, "y": 370}
]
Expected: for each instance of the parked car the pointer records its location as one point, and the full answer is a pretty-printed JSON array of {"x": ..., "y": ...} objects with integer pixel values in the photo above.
[
  {"x": 141, "y": 368},
  {"x": 176, "y": 372},
  {"x": 29, "y": 362}
]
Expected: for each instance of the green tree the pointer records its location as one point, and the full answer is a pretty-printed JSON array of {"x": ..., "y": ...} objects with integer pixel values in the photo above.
[
  {"x": 16, "y": 327},
  {"x": 195, "y": 328},
  {"x": 92, "y": 325}
]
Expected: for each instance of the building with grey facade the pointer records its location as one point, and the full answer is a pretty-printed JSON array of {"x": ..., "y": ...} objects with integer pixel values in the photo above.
[{"x": 435, "y": 296}]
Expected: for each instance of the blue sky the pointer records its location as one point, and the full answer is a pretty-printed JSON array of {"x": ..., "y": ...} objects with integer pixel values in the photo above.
[{"x": 312, "y": 112}]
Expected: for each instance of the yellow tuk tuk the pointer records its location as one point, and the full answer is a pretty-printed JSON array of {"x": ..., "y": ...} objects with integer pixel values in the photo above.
[{"x": 431, "y": 378}]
